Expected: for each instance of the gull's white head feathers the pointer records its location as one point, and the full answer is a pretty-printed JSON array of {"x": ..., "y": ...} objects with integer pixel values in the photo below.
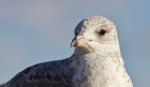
[{"x": 96, "y": 34}]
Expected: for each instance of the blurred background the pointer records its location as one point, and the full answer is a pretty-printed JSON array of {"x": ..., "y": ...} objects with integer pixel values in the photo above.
[{"x": 34, "y": 31}]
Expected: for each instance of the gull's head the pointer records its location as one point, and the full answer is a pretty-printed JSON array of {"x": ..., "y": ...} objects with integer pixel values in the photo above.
[{"x": 95, "y": 34}]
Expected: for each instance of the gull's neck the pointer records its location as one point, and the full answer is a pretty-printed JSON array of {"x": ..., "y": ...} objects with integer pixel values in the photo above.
[{"x": 98, "y": 65}]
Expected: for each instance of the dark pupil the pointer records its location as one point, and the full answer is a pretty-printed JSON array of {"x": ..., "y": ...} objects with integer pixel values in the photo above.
[{"x": 102, "y": 32}]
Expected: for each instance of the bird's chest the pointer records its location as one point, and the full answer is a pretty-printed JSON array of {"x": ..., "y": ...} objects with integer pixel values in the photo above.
[{"x": 96, "y": 73}]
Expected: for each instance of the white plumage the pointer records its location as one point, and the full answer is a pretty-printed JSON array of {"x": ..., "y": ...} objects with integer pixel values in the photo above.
[{"x": 96, "y": 61}]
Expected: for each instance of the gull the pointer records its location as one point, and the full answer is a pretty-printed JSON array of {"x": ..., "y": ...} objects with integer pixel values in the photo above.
[{"x": 95, "y": 62}]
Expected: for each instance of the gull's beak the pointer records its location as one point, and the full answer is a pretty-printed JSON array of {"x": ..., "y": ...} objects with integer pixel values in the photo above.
[{"x": 78, "y": 41}]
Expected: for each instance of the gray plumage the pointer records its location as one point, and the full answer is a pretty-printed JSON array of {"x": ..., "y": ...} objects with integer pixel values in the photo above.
[{"x": 96, "y": 61}]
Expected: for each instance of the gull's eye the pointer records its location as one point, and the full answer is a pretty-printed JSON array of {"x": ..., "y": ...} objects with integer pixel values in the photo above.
[{"x": 102, "y": 32}]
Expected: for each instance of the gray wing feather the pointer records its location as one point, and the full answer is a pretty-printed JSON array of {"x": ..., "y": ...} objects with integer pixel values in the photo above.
[
  {"x": 2, "y": 85},
  {"x": 50, "y": 74}
]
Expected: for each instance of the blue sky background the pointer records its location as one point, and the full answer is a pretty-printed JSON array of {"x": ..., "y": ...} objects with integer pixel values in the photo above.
[{"x": 33, "y": 31}]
